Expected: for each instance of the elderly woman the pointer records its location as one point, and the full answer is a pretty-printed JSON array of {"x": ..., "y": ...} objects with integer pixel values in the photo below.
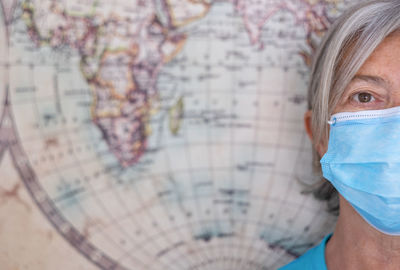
[{"x": 354, "y": 124}]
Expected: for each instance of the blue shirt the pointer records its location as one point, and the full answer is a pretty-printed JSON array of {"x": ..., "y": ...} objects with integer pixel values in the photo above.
[{"x": 314, "y": 259}]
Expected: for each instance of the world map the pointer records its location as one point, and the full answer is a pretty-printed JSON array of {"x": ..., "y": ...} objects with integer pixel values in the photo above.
[{"x": 163, "y": 134}]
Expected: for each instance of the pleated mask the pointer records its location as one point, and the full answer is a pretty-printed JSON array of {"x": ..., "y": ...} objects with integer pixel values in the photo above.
[{"x": 363, "y": 164}]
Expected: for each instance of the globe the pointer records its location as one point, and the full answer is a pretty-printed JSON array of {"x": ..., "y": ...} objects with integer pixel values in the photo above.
[{"x": 166, "y": 134}]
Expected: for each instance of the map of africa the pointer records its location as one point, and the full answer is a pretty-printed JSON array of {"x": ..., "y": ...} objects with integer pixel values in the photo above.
[{"x": 162, "y": 134}]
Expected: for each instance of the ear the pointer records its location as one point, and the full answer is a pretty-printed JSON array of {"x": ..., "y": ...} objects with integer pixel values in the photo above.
[
  {"x": 307, "y": 124},
  {"x": 321, "y": 147}
]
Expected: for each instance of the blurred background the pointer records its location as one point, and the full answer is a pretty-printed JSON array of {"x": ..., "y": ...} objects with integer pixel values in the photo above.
[{"x": 162, "y": 134}]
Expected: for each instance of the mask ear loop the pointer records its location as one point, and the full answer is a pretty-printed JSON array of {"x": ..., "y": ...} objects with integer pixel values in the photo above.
[{"x": 332, "y": 121}]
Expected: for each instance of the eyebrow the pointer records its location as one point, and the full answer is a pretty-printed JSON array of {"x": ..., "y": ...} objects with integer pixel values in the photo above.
[{"x": 373, "y": 79}]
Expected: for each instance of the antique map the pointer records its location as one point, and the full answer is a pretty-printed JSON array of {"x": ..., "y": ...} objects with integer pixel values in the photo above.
[{"x": 157, "y": 134}]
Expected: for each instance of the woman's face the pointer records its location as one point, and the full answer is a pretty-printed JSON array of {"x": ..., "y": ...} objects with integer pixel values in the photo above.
[{"x": 376, "y": 85}]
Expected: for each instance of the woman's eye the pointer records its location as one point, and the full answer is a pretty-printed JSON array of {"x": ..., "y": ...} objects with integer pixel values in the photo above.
[{"x": 363, "y": 97}]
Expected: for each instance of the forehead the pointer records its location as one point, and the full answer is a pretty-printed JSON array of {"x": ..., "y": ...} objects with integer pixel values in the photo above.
[{"x": 384, "y": 60}]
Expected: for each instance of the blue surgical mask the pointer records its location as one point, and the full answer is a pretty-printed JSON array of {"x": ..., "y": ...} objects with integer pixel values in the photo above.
[{"x": 363, "y": 164}]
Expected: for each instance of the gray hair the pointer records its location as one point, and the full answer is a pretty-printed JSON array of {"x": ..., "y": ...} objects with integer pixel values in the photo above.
[{"x": 346, "y": 46}]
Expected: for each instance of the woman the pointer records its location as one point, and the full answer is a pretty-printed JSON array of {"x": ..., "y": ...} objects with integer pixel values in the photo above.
[{"x": 354, "y": 124}]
